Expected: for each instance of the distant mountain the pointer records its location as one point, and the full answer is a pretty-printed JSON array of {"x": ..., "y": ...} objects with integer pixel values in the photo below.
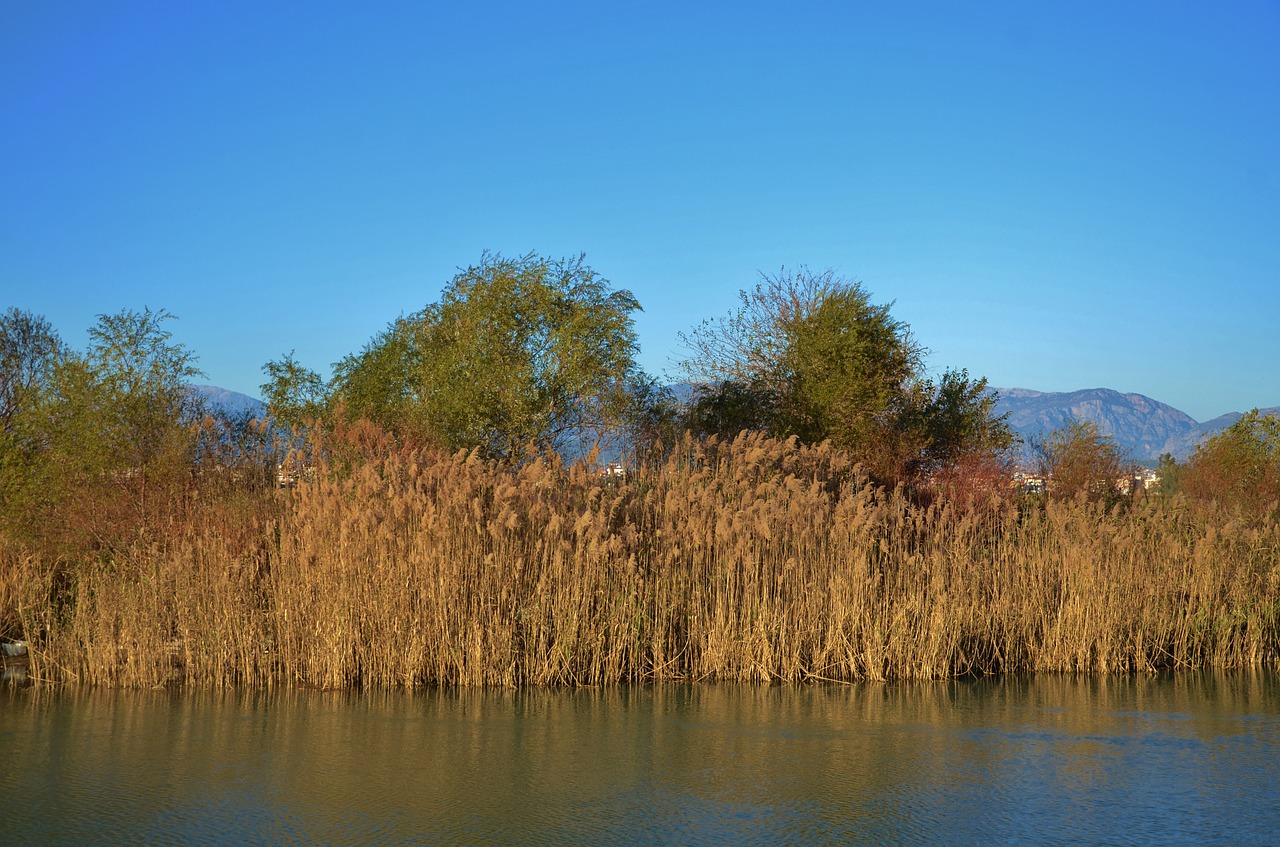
[
  {"x": 233, "y": 404},
  {"x": 1143, "y": 427}
]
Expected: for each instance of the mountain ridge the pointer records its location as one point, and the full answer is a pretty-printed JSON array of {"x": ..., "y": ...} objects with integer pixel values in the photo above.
[
  {"x": 1143, "y": 427},
  {"x": 229, "y": 403}
]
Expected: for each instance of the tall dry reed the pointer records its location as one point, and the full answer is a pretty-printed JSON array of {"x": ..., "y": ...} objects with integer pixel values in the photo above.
[{"x": 750, "y": 560}]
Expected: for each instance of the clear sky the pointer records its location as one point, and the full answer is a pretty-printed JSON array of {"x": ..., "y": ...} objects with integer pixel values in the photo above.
[{"x": 1054, "y": 198}]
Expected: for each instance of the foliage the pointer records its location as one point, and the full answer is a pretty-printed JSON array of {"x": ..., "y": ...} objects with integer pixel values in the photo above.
[
  {"x": 975, "y": 482},
  {"x": 650, "y": 421},
  {"x": 808, "y": 354},
  {"x": 295, "y": 395},
  {"x": 30, "y": 355},
  {"x": 727, "y": 407},
  {"x": 1170, "y": 473},
  {"x": 803, "y": 354},
  {"x": 136, "y": 384},
  {"x": 1241, "y": 464},
  {"x": 1079, "y": 461},
  {"x": 960, "y": 422},
  {"x": 380, "y": 383},
  {"x": 753, "y": 559},
  {"x": 30, "y": 351},
  {"x": 848, "y": 368},
  {"x": 749, "y": 558},
  {"x": 517, "y": 352},
  {"x": 114, "y": 436}
]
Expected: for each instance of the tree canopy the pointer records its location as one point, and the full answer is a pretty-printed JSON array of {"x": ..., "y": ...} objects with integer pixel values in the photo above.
[
  {"x": 1078, "y": 460},
  {"x": 30, "y": 352},
  {"x": 106, "y": 431},
  {"x": 810, "y": 355},
  {"x": 1240, "y": 464},
  {"x": 295, "y": 395},
  {"x": 134, "y": 378},
  {"x": 516, "y": 352}
]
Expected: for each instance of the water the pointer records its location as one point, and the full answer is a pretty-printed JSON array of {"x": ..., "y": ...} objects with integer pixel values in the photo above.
[{"x": 1186, "y": 759}]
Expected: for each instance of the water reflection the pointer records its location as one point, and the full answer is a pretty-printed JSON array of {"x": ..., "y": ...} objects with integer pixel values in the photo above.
[{"x": 1190, "y": 758}]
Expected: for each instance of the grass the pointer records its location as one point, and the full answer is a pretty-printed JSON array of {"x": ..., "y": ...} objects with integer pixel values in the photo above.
[{"x": 754, "y": 560}]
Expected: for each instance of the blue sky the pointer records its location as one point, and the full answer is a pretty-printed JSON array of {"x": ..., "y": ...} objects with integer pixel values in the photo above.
[{"x": 1054, "y": 197}]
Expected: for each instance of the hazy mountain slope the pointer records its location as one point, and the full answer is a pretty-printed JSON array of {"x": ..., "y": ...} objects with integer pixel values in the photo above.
[
  {"x": 1144, "y": 427},
  {"x": 233, "y": 404}
]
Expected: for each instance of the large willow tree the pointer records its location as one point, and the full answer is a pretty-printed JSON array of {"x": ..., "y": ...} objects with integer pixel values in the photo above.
[{"x": 517, "y": 352}]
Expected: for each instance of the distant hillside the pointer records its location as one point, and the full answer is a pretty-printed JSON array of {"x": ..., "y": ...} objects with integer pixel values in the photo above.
[
  {"x": 1143, "y": 427},
  {"x": 233, "y": 404}
]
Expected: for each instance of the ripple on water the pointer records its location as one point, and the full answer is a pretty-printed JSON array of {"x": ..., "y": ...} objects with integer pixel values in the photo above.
[{"x": 1046, "y": 762}]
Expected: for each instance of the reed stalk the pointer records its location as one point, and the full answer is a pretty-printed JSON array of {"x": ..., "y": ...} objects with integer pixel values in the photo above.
[{"x": 746, "y": 560}]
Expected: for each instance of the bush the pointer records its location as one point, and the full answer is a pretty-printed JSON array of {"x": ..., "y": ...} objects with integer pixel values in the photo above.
[{"x": 1240, "y": 465}]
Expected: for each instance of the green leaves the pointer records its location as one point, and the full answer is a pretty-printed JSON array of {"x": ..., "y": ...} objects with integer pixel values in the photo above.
[
  {"x": 1241, "y": 464},
  {"x": 101, "y": 434},
  {"x": 295, "y": 395},
  {"x": 810, "y": 355},
  {"x": 516, "y": 352},
  {"x": 30, "y": 352},
  {"x": 132, "y": 353},
  {"x": 134, "y": 383}
]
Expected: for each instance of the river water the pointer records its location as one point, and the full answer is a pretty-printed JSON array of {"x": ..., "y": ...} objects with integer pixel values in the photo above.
[{"x": 1183, "y": 759}]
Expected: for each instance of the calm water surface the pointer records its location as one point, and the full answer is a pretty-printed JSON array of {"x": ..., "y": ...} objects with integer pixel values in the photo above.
[{"x": 1186, "y": 759}]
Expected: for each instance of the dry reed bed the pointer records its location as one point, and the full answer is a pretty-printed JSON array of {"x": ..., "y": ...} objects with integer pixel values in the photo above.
[{"x": 751, "y": 560}]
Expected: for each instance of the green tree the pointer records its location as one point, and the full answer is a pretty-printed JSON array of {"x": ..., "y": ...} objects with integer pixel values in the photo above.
[
  {"x": 1077, "y": 460},
  {"x": 381, "y": 383},
  {"x": 137, "y": 383},
  {"x": 31, "y": 354},
  {"x": 296, "y": 396},
  {"x": 516, "y": 352},
  {"x": 1239, "y": 465},
  {"x": 810, "y": 355},
  {"x": 116, "y": 436},
  {"x": 959, "y": 420},
  {"x": 1170, "y": 473},
  {"x": 30, "y": 351}
]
